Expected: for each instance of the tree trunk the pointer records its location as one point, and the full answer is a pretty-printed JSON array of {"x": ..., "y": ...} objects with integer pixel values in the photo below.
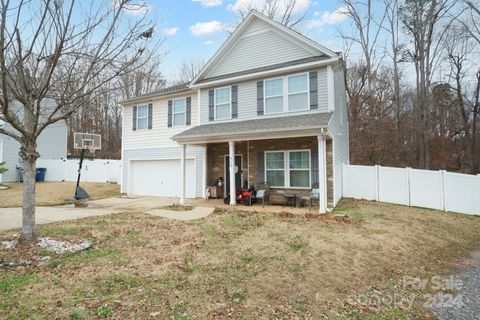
[{"x": 29, "y": 157}]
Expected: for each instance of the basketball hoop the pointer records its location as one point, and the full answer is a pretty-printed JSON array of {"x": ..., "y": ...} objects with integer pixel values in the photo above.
[{"x": 85, "y": 141}]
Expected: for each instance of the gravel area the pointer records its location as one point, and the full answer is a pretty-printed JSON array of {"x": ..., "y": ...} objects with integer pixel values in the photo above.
[{"x": 466, "y": 301}]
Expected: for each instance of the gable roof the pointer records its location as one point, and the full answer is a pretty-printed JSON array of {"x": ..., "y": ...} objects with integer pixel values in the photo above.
[{"x": 318, "y": 49}]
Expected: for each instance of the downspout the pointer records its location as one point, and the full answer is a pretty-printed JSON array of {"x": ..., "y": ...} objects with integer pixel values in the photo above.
[{"x": 325, "y": 134}]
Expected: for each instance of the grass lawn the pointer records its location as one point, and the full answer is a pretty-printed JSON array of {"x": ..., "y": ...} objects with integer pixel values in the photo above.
[
  {"x": 54, "y": 193},
  {"x": 240, "y": 265}
]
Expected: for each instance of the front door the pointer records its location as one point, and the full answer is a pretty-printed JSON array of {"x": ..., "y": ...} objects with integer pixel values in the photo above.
[{"x": 238, "y": 173}]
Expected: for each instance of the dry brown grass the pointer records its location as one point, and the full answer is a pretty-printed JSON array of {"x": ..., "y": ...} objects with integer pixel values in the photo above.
[
  {"x": 54, "y": 193},
  {"x": 235, "y": 264}
]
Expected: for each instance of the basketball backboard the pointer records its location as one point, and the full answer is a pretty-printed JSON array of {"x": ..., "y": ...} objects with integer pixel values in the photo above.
[{"x": 89, "y": 141}]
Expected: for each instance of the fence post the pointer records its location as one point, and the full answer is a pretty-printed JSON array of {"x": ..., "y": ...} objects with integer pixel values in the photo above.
[
  {"x": 64, "y": 162},
  {"x": 408, "y": 185},
  {"x": 377, "y": 182},
  {"x": 106, "y": 165},
  {"x": 478, "y": 192},
  {"x": 442, "y": 179}
]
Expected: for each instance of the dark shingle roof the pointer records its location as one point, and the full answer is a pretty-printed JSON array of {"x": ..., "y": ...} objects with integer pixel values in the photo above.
[
  {"x": 164, "y": 91},
  {"x": 287, "y": 123},
  {"x": 266, "y": 68}
]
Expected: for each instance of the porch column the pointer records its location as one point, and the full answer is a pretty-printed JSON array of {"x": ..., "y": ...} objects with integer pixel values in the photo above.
[
  {"x": 322, "y": 174},
  {"x": 183, "y": 148},
  {"x": 231, "y": 164}
]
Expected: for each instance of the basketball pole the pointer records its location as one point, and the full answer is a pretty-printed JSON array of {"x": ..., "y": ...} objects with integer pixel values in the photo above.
[{"x": 79, "y": 173}]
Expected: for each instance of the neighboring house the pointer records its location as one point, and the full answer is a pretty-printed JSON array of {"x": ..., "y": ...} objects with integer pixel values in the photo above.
[
  {"x": 51, "y": 144},
  {"x": 270, "y": 98}
]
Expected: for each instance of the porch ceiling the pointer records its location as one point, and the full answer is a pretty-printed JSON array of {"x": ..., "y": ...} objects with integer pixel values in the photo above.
[{"x": 264, "y": 128}]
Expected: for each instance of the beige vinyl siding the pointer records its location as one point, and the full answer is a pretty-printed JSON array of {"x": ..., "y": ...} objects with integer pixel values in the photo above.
[
  {"x": 160, "y": 134},
  {"x": 259, "y": 49},
  {"x": 247, "y": 99},
  {"x": 338, "y": 128},
  {"x": 256, "y": 25}
]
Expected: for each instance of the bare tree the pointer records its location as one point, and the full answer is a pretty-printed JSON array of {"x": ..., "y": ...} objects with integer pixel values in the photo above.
[
  {"x": 366, "y": 33},
  {"x": 422, "y": 19},
  {"x": 56, "y": 55},
  {"x": 392, "y": 8},
  {"x": 287, "y": 12},
  {"x": 189, "y": 69}
]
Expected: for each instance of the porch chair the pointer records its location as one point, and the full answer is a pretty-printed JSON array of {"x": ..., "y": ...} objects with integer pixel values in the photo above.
[
  {"x": 262, "y": 194},
  {"x": 314, "y": 196}
]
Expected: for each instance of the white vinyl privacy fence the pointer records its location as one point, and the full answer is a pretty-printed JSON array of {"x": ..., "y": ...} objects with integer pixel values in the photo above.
[
  {"x": 439, "y": 190},
  {"x": 97, "y": 170}
]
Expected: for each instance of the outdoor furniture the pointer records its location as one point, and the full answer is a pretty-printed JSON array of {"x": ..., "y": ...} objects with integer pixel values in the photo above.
[
  {"x": 314, "y": 196},
  {"x": 290, "y": 199},
  {"x": 261, "y": 194},
  {"x": 215, "y": 192}
]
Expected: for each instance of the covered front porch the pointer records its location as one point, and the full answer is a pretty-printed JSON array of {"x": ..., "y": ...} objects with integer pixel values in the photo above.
[
  {"x": 288, "y": 162},
  {"x": 286, "y": 166}
]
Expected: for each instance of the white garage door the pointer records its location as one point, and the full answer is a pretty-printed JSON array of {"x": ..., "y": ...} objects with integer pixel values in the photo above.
[{"x": 161, "y": 178}]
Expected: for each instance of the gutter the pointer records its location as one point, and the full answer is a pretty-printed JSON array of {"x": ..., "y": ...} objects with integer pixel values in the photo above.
[
  {"x": 266, "y": 73},
  {"x": 153, "y": 96}
]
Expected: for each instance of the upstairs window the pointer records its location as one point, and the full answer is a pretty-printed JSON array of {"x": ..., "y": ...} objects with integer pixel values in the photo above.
[
  {"x": 179, "y": 112},
  {"x": 298, "y": 92},
  {"x": 290, "y": 93},
  {"x": 274, "y": 95},
  {"x": 142, "y": 117},
  {"x": 223, "y": 103}
]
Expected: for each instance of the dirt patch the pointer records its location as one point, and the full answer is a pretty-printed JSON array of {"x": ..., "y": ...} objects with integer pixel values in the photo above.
[
  {"x": 178, "y": 208},
  {"x": 236, "y": 264},
  {"x": 55, "y": 193}
]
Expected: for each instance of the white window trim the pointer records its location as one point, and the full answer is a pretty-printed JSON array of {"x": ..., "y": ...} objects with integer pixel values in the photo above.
[
  {"x": 146, "y": 117},
  {"x": 280, "y": 95},
  {"x": 286, "y": 169},
  {"x": 215, "y": 103},
  {"x": 174, "y": 113},
  {"x": 286, "y": 94},
  {"x": 307, "y": 92}
]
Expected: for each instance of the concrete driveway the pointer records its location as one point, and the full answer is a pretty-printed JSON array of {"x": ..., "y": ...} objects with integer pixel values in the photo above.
[{"x": 11, "y": 218}]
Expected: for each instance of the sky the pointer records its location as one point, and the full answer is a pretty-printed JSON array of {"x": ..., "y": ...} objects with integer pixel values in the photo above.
[{"x": 195, "y": 29}]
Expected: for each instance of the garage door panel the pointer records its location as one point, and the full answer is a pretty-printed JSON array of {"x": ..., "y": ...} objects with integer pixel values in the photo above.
[{"x": 161, "y": 178}]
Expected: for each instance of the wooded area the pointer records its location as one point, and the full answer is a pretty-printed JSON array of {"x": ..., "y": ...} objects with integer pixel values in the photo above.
[
  {"x": 413, "y": 83},
  {"x": 414, "y": 92}
]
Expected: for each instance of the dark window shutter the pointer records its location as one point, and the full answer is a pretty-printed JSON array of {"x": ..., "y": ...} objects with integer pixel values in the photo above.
[
  {"x": 261, "y": 168},
  {"x": 170, "y": 113},
  {"x": 150, "y": 111},
  {"x": 211, "y": 105},
  {"x": 313, "y": 90},
  {"x": 314, "y": 166},
  {"x": 134, "y": 118},
  {"x": 260, "y": 107},
  {"x": 189, "y": 111},
  {"x": 234, "y": 101}
]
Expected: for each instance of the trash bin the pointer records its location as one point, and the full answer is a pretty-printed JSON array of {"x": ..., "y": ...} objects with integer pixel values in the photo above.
[{"x": 40, "y": 174}]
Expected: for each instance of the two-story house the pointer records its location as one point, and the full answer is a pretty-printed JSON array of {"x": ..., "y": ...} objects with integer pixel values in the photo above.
[
  {"x": 51, "y": 143},
  {"x": 268, "y": 107}
]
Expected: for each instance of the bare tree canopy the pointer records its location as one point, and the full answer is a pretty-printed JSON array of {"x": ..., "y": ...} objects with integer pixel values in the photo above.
[
  {"x": 189, "y": 69},
  {"x": 66, "y": 51},
  {"x": 288, "y": 12},
  {"x": 414, "y": 89}
]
